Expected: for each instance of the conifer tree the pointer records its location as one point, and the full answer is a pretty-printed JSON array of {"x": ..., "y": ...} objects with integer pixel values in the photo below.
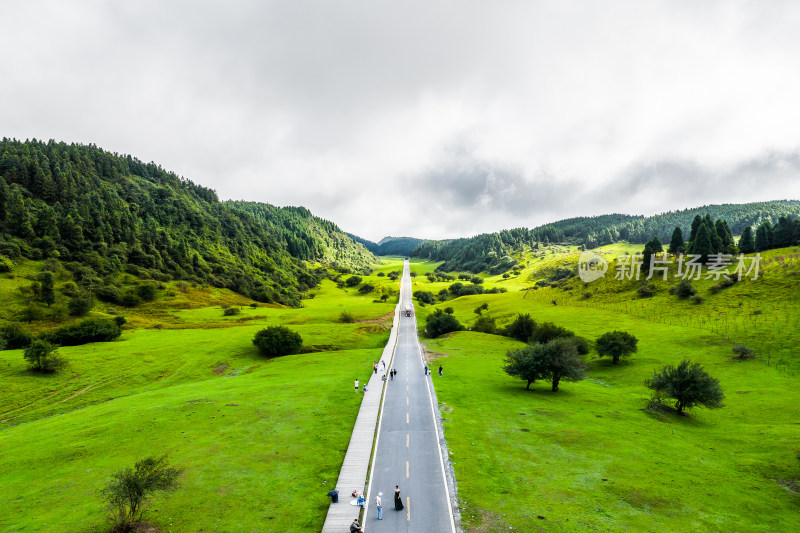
[
  {"x": 747, "y": 244},
  {"x": 676, "y": 244}
]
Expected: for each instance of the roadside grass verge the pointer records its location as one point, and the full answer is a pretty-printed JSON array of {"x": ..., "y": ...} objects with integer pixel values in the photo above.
[{"x": 590, "y": 458}]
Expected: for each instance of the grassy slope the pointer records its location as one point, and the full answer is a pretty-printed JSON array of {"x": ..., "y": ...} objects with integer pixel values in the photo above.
[
  {"x": 714, "y": 470},
  {"x": 257, "y": 437}
]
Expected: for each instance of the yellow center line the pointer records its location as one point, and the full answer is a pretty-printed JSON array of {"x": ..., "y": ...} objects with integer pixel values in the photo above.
[
  {"x": 408, "y": 508},
  {"x": 407, "y": 422},
  {"x": 406, "y": 469},
  {"x": 406, "y": 400},
  {"x": 406, "y": 440}
]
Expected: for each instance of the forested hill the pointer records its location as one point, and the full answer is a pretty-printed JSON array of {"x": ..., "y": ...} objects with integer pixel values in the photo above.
[
  {"x": 114, "y": 213},
  {"x": 493, "y": 251},
  {"x": 390, "y": 245}
]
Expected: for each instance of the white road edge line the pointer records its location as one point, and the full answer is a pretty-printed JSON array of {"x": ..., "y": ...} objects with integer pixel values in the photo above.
[{"x": 429, "y": 383}]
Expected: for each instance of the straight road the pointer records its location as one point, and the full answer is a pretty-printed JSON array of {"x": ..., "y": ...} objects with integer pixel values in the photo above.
[{"x": 408, "y": 453}]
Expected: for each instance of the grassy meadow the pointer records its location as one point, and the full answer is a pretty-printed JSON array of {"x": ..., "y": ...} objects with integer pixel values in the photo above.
[
  {"x": 258, "y": 438},
  {"x": 590, "y": 457}
]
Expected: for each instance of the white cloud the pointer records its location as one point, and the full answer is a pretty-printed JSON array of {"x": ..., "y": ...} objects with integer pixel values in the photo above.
[{"x": 385, "y": 117}]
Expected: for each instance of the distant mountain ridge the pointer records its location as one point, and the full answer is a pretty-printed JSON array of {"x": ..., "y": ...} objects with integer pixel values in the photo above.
[
  {"x": 492, "y": 251},
  {"x": 389, "y": 245},
  {"x": 107, "y": 213}
]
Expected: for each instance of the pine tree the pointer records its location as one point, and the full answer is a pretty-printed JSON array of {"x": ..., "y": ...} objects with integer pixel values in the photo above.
[
  {"x": 747, "y": 244},
  {"x": 695, "y": 226},
  {"x": 702, "y": 245},
  {"x": 764, "y": 236},
  {"x": 782, "y": 233},
  {"x": 676, "y": 244}
]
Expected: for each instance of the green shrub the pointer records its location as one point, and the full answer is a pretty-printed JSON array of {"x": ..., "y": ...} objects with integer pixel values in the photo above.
[
  {"x": 485, "y": 324},
  {"x": 742, "y": 351},
  {"x": 80, "y": 304},
  {"x": 697, "y": 299},
  {"x": 85, "y": 331},
  {"x": 130, "y": 300},
  {"x": 366, "y": 288},
  {"x": 14, "y": 336},
  {"x": 425, "y": 297},
  {"x": 352, "y": 281},
  {"x": 146, "y": 292},
  {"x": 6, "y": 264},
  {"x": 120, "y": 320},
  {"x": 108, "y": 293},
  {"x": 129, "y": 490},
  {"x": 521, "y": 328},
  {"x": 278, "y": 340},
  {"x": 439, "y": 323},
  {"x": 231, "y": 311},
  {"x": 646, "y": 290},
  {"x": 43, "y": 356},
  {"x": 684, "y": 289},
  {"x": 346, "y": 317},
  {"x": 69, "y": 288}
]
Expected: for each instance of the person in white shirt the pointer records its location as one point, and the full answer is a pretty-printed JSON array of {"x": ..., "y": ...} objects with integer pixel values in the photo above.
[{"x": 379, "y": 505}]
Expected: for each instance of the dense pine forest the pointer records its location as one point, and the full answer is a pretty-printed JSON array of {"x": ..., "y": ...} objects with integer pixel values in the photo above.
[
  {"x": 102, "y": 213},
  {"x": 762, "y": 225}
]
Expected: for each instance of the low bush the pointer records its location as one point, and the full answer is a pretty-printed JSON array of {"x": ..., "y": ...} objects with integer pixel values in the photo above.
[
  {"x": 14, "y": 336},
  {"x": 346, "y": 317},
  {"x": 646, "y": 290},
  {"x": 231, "y": 311},
  {"x": 85, "y": 331},
  {"x": 43, "y": 356},
  {"x": 278, "y": 340}
]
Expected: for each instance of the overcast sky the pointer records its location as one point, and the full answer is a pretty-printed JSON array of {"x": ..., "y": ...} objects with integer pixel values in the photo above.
[{"x": 432, "y": 119}]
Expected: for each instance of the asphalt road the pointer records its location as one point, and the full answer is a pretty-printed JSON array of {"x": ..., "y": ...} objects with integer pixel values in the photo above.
[{"x": 408, "y": 446}]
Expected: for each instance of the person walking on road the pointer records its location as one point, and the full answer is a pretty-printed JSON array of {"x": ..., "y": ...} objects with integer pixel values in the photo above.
[
  {"x": 440, "y": 370},
  {"x": 398, "y": 501},
  {"x": 356, "y": 386},
  {"x": 426, "y": 370},
  {"x": 379, "y": 505}
]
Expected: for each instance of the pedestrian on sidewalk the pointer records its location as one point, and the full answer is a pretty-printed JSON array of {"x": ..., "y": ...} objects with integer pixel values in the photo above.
[
  {"x": 356, "y": 386},
  {"x": 333, "y": 494},
  {"x": 365, "y": 387},
  {"x": 354, "y": 527},
  {"x": 379, "y": 505},
  {"x": 398, "y": 501},
  {"x": 384, "y": 364},
  {"x": 375, "y": 367},
  {"x": 440, "y": 370}
]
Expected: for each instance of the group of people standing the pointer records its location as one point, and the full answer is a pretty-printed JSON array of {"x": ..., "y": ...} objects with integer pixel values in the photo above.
[{"x": 398, "y": 506}]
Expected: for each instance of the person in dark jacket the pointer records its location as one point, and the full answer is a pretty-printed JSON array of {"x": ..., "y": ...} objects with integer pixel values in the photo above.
[{"x": 355, "y": 527}]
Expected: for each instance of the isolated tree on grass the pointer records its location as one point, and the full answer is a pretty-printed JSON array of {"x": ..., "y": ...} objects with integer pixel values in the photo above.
[
  {"x": 352, "y": 281},
  {"x": 439, "y": 323},
  {"x": 130, "y": 488},
  {"x": 616, "y": 344},
  {"x": 688, "y": 384},
  {"x": 278, "y": 340},
  {"x": 556, "y": 360},
  {"x": 43, "y": 356}
]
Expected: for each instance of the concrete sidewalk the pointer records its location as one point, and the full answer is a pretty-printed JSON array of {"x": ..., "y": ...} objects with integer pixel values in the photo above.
[{"x": 353, "y": 474}]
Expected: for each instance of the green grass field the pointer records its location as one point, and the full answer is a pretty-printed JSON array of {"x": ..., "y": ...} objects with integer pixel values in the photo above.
[
  {"x": 261, "y": 440},
  {"x": 590, "y": 457}
]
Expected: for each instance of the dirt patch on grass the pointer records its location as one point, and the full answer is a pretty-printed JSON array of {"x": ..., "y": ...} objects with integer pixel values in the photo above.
[
  {"x": 383, "y": 321},
  {"x": 789, "y": 484},
  {"x": 482, "y": 521},
  {"x": 221, "y": 368}
]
